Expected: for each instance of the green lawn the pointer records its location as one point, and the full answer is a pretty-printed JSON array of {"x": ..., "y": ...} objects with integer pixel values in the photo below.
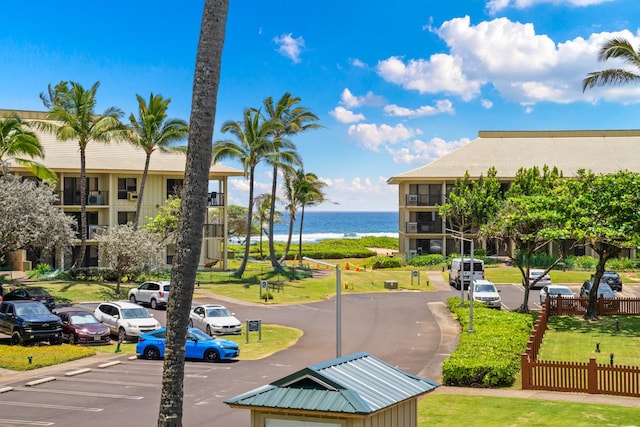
[
  {"x": 573, "y": 339},
  {"x": 449, "y": 410}
]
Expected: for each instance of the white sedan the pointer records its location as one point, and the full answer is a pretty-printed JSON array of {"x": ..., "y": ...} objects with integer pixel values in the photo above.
[
  {"x": 214, "y": 319},
  {"x": 555, "y": 290}
]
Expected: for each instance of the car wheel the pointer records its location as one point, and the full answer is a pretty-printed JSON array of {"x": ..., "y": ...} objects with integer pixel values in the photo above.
[
  {"x": 154, "y": 304},
  {"x": 132, "y": 298},
  {"x": 15, "y": 338},
  {"x": 72, "y": 339},
  {"x": 211, "y": 355},
  {"x": 55, "y": 341},
  {"x": 209, "y": 331},
  {"x": 122, "y": 335},
  {"x": 151, "y": 353}
]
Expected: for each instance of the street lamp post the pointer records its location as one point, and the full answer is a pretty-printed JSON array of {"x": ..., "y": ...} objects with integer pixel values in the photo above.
[
  {"x": 471, "y": 270},
  {"x": 338, "y": 302}
]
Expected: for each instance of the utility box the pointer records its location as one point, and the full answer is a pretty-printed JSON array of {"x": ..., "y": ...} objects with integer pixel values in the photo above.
[{"x": 391, "y": 284}]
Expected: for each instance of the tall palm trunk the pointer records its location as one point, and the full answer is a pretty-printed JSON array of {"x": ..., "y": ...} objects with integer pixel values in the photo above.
[
  {"x": 292, "y": 219},
  {"x": 79, "y": 261},
  {"x": 247, "y": 243},
  {"x": 141, "y": 192},
  {"x": 300, "y": 236},
  {"x": 193, "y": 211},
  {"x": 272, "y": 216}
]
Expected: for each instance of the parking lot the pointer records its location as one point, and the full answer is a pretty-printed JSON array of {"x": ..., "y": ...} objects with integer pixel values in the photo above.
[{"x": 398, "y": 327}]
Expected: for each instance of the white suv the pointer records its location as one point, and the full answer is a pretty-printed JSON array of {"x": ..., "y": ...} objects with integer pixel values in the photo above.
[
  {"x": 153, "y": 293},
  {"x": 125, "y": 319}
]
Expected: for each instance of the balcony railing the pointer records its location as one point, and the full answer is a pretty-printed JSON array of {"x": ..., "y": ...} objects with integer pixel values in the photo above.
[
  {"x": 215, "y": 199},
  {"x": 423, "y": 227},
  {"x": 94, "y": 198},
  {"x": 92, "y": 231},
  {"x": 213, "y": 230},
  {"x": 424, "y": 199}
]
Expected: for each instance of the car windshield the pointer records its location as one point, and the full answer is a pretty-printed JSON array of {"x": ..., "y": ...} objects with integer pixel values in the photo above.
[
  {"x": 135, "y": 313},
  {"x": 560, "y": 291},
  {"x": 199, "y": 335},
  {"x": 218, "y": 312},
  {"x": 37, "y": 292},
  {"x": 535, "y": 273},
  {"x": 485, "y": 288},
  {"x": 83, "y": 319},
  {"x": 605, "y": 290},
  {"x": 31, "y": 310}
]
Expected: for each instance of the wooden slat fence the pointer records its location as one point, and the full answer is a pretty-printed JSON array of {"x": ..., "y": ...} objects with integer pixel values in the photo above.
[{"x": 574, "y": 376}]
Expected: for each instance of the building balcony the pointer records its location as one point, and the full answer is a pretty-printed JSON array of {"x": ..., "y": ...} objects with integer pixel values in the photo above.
[
  {"x": 73, "y": 198},
  {"x": 215, "y": 199},
  {"x": 213, "y": 230},
  {"x": 424, "y": 199},
  {"x": 423, "y": 227}
]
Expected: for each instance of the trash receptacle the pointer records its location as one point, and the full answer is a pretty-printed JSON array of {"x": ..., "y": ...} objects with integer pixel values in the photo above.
[{"x": 391, "y": 284}]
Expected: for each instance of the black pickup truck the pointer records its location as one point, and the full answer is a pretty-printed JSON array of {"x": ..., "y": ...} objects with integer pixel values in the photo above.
[{"x": 29, "y": 321}]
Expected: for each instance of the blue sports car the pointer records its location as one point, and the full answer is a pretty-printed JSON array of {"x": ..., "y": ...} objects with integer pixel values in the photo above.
[{"x": 199, "y": 346}]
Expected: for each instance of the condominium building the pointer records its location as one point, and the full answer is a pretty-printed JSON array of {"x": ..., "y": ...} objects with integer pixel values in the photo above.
[
  {"x": 114, "y": 174},
  {"x": 422, "y": 190}
]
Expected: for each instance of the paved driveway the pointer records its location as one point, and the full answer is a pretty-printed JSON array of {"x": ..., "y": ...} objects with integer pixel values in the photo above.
[{"x": 397, "y": 327}]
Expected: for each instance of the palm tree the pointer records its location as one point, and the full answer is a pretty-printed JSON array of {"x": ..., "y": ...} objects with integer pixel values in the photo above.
[
  {"x": 301, "y": 189},
  {"x": 72, "y": 117},
  {"x": 291, "y": 119},
  {"x": 617, "y": 48},
  {"x": 22, "y": 146},
  {"x": 193, "y": 210},
  {"x": 253, "y": 145},
  {"x": 263, "y": 207},
  {"x": 152, "y": 131}
]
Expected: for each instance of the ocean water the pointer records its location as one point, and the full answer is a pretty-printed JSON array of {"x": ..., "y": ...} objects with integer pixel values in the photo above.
[{"x": 337, "y": 225}]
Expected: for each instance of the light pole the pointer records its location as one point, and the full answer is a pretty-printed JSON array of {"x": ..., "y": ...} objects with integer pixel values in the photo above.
[
  {"x": 471, "y": 270},
  {"x": 338, "y": 303}
]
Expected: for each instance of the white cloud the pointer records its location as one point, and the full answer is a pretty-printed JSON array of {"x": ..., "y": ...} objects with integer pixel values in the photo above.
[
  {"x": 289, "y": 46},
  {"x": 440, "y": 73},
  {"x": 372, "y": 136},
  {"x": 365, "y": 193},
  {"x": 343, "y": 115},
  {"x": 419, "y": 152},
  {"x": 349, "y": 100},
  {"x": 497, "y": 5},
  {"x": 358, "y": 63},
  {"x": 486, "y": 104},
  {"x": 442, "y": 106},
  {"x": 521, "y": 65}
]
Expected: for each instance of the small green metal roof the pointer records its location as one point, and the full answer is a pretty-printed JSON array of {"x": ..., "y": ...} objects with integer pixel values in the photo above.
[{"x": 355, "y": 384}]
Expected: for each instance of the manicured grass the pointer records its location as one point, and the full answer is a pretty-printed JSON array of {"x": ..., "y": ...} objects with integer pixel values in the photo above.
[
  {"x": 67, "y": 292},
  {"x": 16, "y": 357},
  {"x": 274, "y": 338},
  {"x": 459, "y": 410},
  {"x": 573, "y": 339}
]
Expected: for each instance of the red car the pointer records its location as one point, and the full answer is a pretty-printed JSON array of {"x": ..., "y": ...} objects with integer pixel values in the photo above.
[{"x": 81, "y": 327}]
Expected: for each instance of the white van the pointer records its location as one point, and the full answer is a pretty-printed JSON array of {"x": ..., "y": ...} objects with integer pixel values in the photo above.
[{"x": 459, "y": 276}]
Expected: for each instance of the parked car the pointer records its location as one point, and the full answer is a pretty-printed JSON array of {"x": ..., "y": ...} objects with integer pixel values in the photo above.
[
  {"x": 612, "y": 279},
  {"x": 82, "y": 327},
  {"x": 554, "y": 290},
  {"x": 29, "y": 321},
  {"x": 603, "y": 289},
  {"x": 534, "y": 273},
  {"x": 214, "y": 319},
  {"x": 153, "y": 293},
  {"x": 486, "y": 293},
  {"x": 31, "y": 293},
  {"x": 199, "y": 346},
  {"x": 125, "y": 319}
]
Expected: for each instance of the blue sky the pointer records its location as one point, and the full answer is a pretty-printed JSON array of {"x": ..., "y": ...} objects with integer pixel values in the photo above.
[{"x": 395, "y": 84}]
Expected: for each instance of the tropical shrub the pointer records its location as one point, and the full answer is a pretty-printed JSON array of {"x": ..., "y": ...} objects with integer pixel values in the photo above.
[
  {"x": 490, "y": 356},
  {"x": 426, "y": 260},
  {"x": 622, "y": 264},
  {"x": 385, "y": 262}
]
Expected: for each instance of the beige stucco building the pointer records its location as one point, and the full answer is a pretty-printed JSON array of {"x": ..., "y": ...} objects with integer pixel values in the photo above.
[
  {"x": 421, "y": 190},
  {"x": 114, "y": 174}
]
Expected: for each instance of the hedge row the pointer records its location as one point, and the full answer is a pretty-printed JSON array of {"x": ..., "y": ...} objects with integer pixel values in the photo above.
[{"x": 489, "y": 356}]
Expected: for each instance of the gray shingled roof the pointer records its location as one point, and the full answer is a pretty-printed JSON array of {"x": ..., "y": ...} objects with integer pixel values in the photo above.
[
  {"x": 116, "y": 157},
  {"x": 602, "y": 151},
  {"x": 355, "y": 384}
]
